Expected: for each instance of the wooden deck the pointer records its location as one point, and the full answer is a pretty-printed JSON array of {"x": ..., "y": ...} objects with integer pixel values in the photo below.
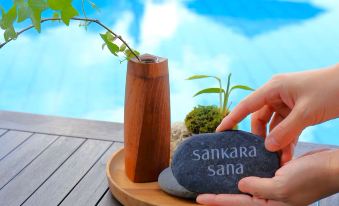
[{"x": 47, "y": 160}]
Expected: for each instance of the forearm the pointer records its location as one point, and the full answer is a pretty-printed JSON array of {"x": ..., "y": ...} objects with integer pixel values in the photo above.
[{"x": 334, "y": 170}]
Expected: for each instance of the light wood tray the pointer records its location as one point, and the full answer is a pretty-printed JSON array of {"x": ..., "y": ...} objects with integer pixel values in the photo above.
[{"x": 136, "y": 194}]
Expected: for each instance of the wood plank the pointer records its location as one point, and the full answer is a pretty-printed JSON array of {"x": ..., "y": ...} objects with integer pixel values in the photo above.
[
  {"x": 11, "y": 140},
  {"x": 330, "y": 201},
  {"x": 30, "y": 178},
  {"x": 13, "y": 163},
  {"x": 2, "y": 131},
  {"x": 94, "y": 184},
  {"x": 108, "y": 200},
  {"x": 303, "y": 147},
  {"x": 61, "y": 126},
  {"x": 53, "y": 191}
]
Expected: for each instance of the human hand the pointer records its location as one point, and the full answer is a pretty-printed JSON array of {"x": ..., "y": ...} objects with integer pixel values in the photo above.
[
  {"x": 299, "y": 182},
  {"x": 295, "y": 100}
]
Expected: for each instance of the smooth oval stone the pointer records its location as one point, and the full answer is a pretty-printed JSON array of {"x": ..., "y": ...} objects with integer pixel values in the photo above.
[
  {"x": 215, "y": 162},
  {"x": 169, "y": 184}
]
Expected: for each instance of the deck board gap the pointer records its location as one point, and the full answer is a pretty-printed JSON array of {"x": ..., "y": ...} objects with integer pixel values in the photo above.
[
  {"x": 86, "y": 173},
  {"x": 17, "y": 145},
  {"x": 5, "y": 131},
  {"x": 36, "y": 189},
  {"x": 18, "y": 130},
  {"x": 102, "y": 196},
  {"x": 30, "y": 162}
]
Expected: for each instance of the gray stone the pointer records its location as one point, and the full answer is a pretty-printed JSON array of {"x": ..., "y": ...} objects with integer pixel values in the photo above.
[
  {"x": 170, "y": 185},
  {"x": 215, "y": 162}
]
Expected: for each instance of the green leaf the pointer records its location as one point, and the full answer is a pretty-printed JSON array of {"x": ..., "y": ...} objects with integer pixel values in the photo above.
[
  {"x": 9, "y": 18},
  {"x": 104, "y": 37},
  {"x": 129, "y": 55},
  {"x": 122, "y": 47},
  {"x": 37, "y": 7},
  {"x": 24, "y": 12},
  {"x": 198, "y": 77},
  {"x": 136, "y": 52},
  {"x": 67, "y": 13},
  {"x": 113, "y": 48},
  {"x": 209, "y": 90},
  {"x": 110, "y": 36},
  {"x": 59, "y": 4},
  {"x": 243, "y": 87},
  {"x": 3, "y": 13},
  {"x": 10, "y": 33},
  {"x": 36, "y": 18},
  {"x": 19, "y": 2},
  {"x": 202, "y": 76}
]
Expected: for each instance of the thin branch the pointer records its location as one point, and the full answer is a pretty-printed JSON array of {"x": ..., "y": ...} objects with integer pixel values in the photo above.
[
  {"x": 84, "y": 13},
  {"x": 78, "y": 19},
  {"x": 83, "y": 8}
]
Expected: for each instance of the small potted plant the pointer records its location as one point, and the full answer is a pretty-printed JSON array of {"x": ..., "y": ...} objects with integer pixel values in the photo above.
[
  {"x": 206, "y": 118},
  {"x": 147, "y": 109}
]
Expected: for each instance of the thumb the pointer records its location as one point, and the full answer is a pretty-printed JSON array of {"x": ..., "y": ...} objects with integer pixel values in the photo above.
[
  {"x": 258, "y": 187},
  {"x": 286, "y": 131}
]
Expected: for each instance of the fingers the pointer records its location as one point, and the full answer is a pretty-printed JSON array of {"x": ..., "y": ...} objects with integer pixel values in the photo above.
[
  {"x": 250, "y": 104},
  {"x": 260, "y": 120},
  {"x": 229, "y": 200},
  {"x": 259, "y": 187},
  {"x": 223, "y": 200},
  {"x": 286, "y": 131},
  {"x": 277, "y": 118},
  {"x": 235, "y": 200},
  {"x": 287, "y": 153}
]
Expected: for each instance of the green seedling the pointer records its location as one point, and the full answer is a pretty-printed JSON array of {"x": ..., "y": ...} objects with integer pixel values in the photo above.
[{"x": 224, "y": 94}]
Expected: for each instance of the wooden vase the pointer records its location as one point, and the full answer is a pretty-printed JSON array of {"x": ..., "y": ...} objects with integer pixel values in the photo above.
[{"x": 147, "y": 118}]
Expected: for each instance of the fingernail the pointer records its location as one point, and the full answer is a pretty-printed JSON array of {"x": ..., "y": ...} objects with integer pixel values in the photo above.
[
  {"x": 217, "y": 129},
  {"x": 271, "y": 144},
  {"x": 204, "y": 198}
]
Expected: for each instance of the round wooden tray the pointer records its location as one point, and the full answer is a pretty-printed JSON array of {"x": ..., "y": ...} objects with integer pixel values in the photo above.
[{"x": 136, "y": 194}]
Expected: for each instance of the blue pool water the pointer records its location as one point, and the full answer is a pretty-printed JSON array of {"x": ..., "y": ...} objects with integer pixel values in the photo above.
[{"x": 64, "y": 72}]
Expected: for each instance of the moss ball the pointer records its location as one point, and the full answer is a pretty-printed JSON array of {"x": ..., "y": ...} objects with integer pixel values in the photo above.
[{"x": 203, "y": 119}]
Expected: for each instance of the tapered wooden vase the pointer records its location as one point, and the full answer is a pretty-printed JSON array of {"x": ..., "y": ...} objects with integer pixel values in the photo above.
[{"x": 147, "y": 118}]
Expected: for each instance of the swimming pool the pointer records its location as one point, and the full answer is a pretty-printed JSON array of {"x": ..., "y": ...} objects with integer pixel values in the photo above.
[{"x": 64, "y": 72}]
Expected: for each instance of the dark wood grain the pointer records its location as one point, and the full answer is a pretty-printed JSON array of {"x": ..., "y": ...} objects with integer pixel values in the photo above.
[
  {"x": 10, "y": 141},
  {"x": 30, "y": 178},
  {"x": 57, "y": 187},
  {"x": 94, "y": 184},
  {"x": 61, "y": 126},
  {"x": 13, "y": 163},
  {"x": 108, "y": 200},
  {"x": 147, "y": 126}
]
